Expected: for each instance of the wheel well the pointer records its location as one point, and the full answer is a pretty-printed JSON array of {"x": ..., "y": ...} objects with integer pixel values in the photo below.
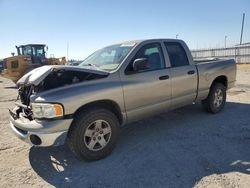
[
  {"x": 107, "y": 104},
  {"x": 220, "y": 79}
]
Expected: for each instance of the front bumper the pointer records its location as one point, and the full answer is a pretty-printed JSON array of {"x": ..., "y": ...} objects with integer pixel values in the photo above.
[
  {"x": 40, "y": 133},
  {"x": 40, "y": 139}
]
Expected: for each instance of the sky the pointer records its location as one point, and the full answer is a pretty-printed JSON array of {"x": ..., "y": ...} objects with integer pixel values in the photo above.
[{"x": 90, "y": 25}]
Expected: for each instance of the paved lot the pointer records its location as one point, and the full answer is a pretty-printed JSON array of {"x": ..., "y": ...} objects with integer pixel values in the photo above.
[{"x": 183, "y": 148}]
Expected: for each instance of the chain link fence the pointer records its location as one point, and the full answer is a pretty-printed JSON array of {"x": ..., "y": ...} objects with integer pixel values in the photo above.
[{"x": 241, "y": 54}]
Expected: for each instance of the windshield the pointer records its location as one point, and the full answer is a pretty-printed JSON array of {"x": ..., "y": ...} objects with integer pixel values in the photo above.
[
  {"x": 38, "y": 51},
  {"x": 33, "y": 50},
  {"x": 108, "y": 58},
  {"x": 27, "y": 50}
]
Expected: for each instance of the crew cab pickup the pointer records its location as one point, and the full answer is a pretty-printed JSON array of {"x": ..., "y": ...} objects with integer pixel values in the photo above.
[{"x": 86, "y": 105}]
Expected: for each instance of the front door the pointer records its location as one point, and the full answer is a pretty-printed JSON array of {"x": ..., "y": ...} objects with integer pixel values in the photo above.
[{"x": 147, "y": 92}]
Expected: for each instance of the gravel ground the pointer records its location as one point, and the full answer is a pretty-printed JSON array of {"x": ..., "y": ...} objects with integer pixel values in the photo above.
[{"x": 183, "y": 148}]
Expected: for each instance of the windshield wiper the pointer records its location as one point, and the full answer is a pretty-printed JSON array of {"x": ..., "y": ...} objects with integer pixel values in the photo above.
[{"x": 91, "y": 64}]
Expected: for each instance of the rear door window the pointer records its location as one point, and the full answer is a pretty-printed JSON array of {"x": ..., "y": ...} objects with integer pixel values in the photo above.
[{"x": 177, "y": 54}]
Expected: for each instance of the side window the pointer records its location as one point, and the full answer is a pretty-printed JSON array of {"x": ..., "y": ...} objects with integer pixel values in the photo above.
[
  {"x": 177, "y": 54},
  {"x": 153, "y": 53}
]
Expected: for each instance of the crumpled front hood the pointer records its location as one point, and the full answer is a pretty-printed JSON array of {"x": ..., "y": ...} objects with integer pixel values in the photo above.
[{"x": 36, "y": 76}]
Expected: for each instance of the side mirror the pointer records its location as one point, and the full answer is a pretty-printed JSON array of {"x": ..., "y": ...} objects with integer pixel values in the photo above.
[{"x": 140, "y": 64}]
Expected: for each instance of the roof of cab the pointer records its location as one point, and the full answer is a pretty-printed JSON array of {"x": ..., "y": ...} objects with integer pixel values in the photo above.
[
  {"x": 148, "y": 40},
  {"x": 32, "y": 45}
]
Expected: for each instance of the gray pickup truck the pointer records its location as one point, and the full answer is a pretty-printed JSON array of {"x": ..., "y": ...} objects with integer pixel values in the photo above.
[{"x": 86, "y": 105}]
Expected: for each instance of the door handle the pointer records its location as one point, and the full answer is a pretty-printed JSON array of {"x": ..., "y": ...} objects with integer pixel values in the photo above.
[
  {"x": 191, "y": 72},
  {"x": 165, "y": 77}
]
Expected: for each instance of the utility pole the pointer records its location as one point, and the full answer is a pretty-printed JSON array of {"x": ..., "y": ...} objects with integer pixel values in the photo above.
[
  {"x": 242, "y": 28},
  {"x": 176, "y": 36},
  {"x": 225, "y": 41},
  {"x": 67, "y": 51}
]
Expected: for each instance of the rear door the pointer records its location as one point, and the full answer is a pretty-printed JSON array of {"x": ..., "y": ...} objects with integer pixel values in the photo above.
[{"x": 183, "y": 75}]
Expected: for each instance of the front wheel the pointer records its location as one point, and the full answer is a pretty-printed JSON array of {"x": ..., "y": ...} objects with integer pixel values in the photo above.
[
  {"x": 216, "y": 99},
  {"x": 93, "y": 134}
]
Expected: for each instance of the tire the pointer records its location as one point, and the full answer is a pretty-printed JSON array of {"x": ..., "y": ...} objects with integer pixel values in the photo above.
[
  {"x": 216, "y": 99},
  {"x": 93, "y": 134}
]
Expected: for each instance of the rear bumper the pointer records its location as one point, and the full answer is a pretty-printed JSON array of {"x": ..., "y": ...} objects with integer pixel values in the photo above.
[{"x": 40, "y": 133}]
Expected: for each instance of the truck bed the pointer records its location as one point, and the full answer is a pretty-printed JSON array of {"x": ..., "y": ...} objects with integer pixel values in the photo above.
[{"x": 211, "y": 69}]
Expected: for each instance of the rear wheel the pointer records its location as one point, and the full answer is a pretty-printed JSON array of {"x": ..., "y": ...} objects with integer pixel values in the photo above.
[
  {"x": 216, "y": 99},
  {"x": 93, "y": 134}
]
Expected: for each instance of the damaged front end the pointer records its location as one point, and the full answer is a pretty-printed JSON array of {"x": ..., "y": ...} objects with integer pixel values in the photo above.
[
  {"x": 50, "y": 77},
  {"x": 33, "y": 122},
  {"x": 23, "y": 101}
]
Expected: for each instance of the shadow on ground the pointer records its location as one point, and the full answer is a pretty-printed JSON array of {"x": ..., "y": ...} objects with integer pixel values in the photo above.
[
  {"x": 11, "y": 87},
  {"x": 175, "y": 149}
]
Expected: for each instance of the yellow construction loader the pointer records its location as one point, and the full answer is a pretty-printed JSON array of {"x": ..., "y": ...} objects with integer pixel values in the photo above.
[{"x": 28, "y": 57}]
